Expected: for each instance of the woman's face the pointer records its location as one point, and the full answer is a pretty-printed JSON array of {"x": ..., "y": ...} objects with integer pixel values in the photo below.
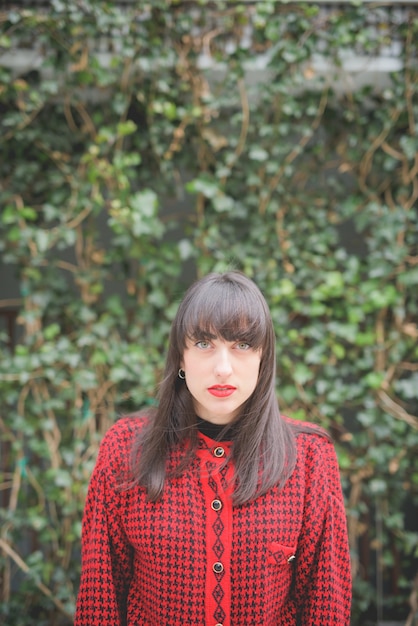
[{"x": 221, "y": 376}]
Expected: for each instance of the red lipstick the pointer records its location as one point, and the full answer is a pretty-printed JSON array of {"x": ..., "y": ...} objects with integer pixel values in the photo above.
[{"x": 221, "y": 391}]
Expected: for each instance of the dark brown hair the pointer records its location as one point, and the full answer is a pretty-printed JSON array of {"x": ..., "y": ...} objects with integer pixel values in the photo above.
[{"x": 232, "y": 307}]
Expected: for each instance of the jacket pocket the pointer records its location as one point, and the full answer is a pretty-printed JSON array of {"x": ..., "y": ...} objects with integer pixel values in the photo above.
[{"x": 279, "y": 554}]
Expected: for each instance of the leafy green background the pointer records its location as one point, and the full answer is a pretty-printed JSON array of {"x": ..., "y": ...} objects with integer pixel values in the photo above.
[{"x": 127, "y": 168}]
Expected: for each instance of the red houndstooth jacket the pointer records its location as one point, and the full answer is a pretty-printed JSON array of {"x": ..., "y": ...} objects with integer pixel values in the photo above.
[{"x": 194, "y": 558}]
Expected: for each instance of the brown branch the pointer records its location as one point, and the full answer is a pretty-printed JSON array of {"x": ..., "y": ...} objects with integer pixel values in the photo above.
[
  {"x": 353, "y": 523},
  {"x": 366, "y": 162},
  {"x": 293, "y": 154},
  {"x": 409, "y": 92},
  {"x": 394, "y": 409},
  {"x": 244, "y": 125},
  {"x": 7, "y": 549},
  {"x": 410, "y": 367},
  {"x": 28, "y": 120},
  {"x": 395, "y": 154},
  {"x": 414, "y": 196},
  {"x": 245, "y": 118},
  {"x": 178, "y": 136},
  {"x": 413, "y": 603},
  {"x": 90, "y": 127},
  {"x": 11, "y": 303},
  {"x": 69, "y": 116}
]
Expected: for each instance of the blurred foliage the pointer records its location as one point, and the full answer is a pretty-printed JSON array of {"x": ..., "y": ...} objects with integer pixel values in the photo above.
[{"x": 144, "y": 143}]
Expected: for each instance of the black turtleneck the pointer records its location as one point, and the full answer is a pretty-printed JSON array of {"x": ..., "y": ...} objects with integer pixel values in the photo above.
[{"x": 217, "y": 432}]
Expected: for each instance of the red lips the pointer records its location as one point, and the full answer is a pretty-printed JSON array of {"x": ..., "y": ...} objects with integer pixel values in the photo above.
[{"x": 221, "y": 391}]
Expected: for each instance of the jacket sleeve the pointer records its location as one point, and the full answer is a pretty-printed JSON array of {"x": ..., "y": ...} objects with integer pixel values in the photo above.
[
  {"x": 106, "y": 554},
  {"x": 323, "y": 572}
]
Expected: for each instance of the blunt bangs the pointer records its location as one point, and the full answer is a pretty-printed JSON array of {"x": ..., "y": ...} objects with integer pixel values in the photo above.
[{"x": 226, "y": 308}]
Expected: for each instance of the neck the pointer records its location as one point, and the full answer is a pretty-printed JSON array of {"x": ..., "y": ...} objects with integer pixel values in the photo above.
[{"x": 218, "y": 432}]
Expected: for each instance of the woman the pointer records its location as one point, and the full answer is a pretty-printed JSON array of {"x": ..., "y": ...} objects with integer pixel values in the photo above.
[{"x": 214, "y": 509}]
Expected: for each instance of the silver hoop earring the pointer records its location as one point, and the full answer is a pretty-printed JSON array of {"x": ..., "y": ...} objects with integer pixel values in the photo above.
[{"x": 182, "y": 374}]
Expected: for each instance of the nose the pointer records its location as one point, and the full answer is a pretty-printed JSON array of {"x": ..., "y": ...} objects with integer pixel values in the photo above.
[{"x": 223, "y": 366}]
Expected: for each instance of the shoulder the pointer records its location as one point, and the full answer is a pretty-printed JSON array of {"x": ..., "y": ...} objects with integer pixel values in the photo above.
[
  {"x": 124, "y": 430},
  {"x": 314, "y": 445},
  {"x": 117, "y": 443},
  {"x": 307, "y": 433}
]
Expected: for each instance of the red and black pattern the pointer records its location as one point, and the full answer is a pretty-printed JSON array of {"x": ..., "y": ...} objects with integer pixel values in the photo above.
[
  {"x": 218, "y": 529},
  {"x": 193, "y": 558}
]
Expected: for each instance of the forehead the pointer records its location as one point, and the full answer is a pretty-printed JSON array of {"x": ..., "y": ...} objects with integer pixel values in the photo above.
[
  {"x": 228, "y": 318},
  {"x": 226, "y": 332}
]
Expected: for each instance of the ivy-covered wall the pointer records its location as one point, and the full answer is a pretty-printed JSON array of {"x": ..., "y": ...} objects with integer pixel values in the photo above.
[{"x": 145, "y": 143}]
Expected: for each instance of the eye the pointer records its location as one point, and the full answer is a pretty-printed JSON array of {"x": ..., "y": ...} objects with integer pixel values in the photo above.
[
  {"x": 243, "y": 345},
  {"x": 202, "y": 344}
]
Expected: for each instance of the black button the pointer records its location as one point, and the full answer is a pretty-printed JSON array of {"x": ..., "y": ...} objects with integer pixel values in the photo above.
[
  {"x": 218, "y": 568},
  {"x": 218, "y": 452},
  {"x": 216, "y": 505}
]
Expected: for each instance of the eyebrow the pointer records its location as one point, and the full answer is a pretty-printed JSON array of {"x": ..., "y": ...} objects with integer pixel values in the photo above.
[
  {"x": 244, "y": 336},
  {"x": 200, "y": 334}
]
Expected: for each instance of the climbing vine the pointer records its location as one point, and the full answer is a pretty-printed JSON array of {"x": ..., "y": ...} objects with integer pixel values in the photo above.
[{"x": 146, "y": 143}]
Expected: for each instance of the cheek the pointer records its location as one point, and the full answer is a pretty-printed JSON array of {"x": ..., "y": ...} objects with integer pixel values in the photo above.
[
  {"x": 183, "y": 359},
  {"x": 186, "y": 361},
  {"x": 253, "y": 372},
  {"x": 256, "y": 370}
]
